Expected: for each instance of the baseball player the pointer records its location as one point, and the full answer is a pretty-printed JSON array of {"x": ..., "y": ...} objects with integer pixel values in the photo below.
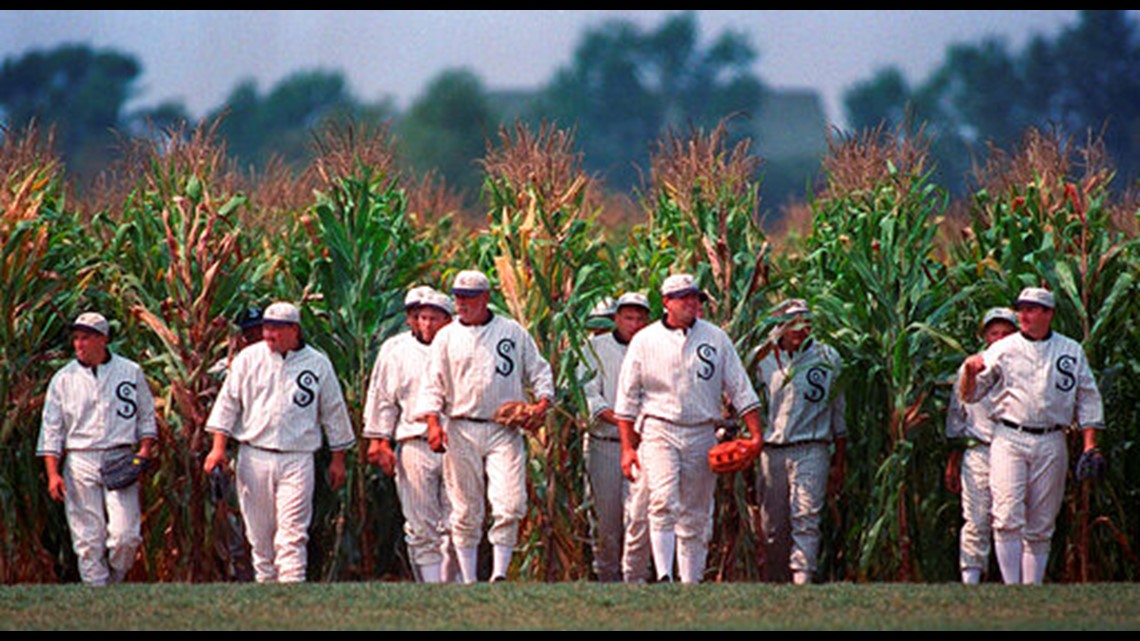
[
  {"x": 97, "y": 406},
  {"x": 606, "y": 489},
  {"x": 797, "y": 468},
  {"x": 968, "y": 468},
  {"x": 675, "y": 377},
  {"x": 476, "y": 365},
  {"x": 401, "y": 366},
  {"x": 278, "y": 397},
  {"x": 1041, "y": 383}
]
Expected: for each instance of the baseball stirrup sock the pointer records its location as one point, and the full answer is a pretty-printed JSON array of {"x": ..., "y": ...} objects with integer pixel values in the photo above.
[
  {"x": 663, "y": 543},
  {"x": 971, "y": 576},
  {"x": 468, "y": 564},
  {"x": 501, "y": 560},
  {"x": 690, "y": 568},
  {"x": 1009, "y": 560},
  {"x": 1033, "y": 567},
  {"x": 430, "y": 573}
]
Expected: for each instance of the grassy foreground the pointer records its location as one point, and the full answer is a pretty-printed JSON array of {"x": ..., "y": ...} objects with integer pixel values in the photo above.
[{"x": 569, "y": 606}]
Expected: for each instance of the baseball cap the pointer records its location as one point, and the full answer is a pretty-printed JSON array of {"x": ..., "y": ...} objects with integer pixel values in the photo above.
[
  {"x": 604, "y": 307},
  {"x": 470, "y": 282},
  {"x": 632, "y": 298},
  {"x": 679, "y": 285},
  {"x": 999, "y": 314},
  {"x": 440, "y": 301},
  {"x": 792, "y": 307},
  {"x": 1035, "y": 296},
  {"x": 281, "y": 313},
  {"x": 416, "y": 296},
  {"x": 250, "y": 317},
  {"x": 92, "y": 321}
]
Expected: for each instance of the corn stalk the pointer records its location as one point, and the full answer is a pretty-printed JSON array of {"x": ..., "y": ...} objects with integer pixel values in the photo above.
[
  {"x": 871, "y": 273},
  {"x": 362, "y": 254},
  {"x": 176, "y": 263}
]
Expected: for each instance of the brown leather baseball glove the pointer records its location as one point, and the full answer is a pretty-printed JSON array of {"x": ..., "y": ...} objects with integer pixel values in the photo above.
[
  {"x": 731, "y": 456},
  {"x": 513, "y": 414}
]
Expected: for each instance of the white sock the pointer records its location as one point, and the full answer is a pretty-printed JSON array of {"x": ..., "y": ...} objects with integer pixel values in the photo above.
[
  {"x": 429, "y": 573},
  {"x": 449, "y": 567},
  {"x": 468, "y": 564},
  {"x": 1009, "y": 560},
  {"x": 690, "y": 569},
  {"x": 1033, "y": 566},
  {"x": 502, "y": 560},
  {"x": 663, "y": 543},
  {"x": 801, "y": 577},
  {"x": 971, "y": 576}
]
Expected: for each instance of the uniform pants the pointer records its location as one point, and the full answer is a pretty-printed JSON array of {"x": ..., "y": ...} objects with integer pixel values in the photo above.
[
  {"x": 275, "y": 492},
  {"x": 793, "y": 488},
  {"x": 976, "y": 537},
  {"x": 636, "y": 550},
  {"x": 423, "y": 501},
  {"x": 485, "y": 463},
  {"x": 105, "y": 524},
  {"x": 681, "y": 487},
  {"x": 605, "y": 490},
  {"x": 1027, "y": 478}
]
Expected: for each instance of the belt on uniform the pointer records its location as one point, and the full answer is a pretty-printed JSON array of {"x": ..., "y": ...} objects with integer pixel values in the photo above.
[
  {"x": 608, "y": 439},
  {"x": 1032, "y": 430},
  {"x": 814, "y": 441},
  {"x": 263, "y": 449},
  {"x": 672, "y": 422},
  {"x": 471, "y": 419}
]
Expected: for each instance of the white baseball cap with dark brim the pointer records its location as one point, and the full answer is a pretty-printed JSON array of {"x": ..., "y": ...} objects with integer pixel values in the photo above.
[
  {"x": 999, "y": 314},
  {"x": 637, "y": 299},
  {"x": 470, "y": 282},
  {"x": 281, "y": 313},
  {"x": 416, "y": 296},
  {"x": 792, "y": 307},
  {"x": 679, "y": 285},
  {"x": 440, "y": 301},
  {"x": 1035, "y": 296},
  {"x": 92, "y": 322}
]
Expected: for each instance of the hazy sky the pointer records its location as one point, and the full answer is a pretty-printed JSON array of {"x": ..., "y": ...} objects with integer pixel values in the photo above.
[{"x": 197, "y": 57}]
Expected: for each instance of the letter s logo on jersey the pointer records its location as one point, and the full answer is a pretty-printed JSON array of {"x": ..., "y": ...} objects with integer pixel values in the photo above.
[
  {"x": 1066, "y": 365},
  {"x": 125, "y": 392},
  {"x": 307, "y": 381},
  {"x": 706, "y": 353},
  {"x": 504, "y": 349},
  {"x": 816, "y": 379}
]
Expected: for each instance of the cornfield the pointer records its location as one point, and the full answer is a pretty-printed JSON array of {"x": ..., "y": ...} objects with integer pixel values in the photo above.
[{"x": 178, "y": 241}]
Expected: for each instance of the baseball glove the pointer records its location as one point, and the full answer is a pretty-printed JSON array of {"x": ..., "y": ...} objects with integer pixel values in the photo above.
[
  {"x": 731, "y": 456},
  {"x": 1091, "y": 465},
  {"x": 513, "y": 414},
  {"x": 123, "y": 469}
]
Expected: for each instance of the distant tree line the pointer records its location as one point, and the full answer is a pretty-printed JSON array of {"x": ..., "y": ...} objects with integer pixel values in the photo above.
[{"x": 623, "y": 87}]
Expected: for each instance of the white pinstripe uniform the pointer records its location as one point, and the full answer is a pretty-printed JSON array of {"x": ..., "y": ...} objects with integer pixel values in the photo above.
[
  {"x": 474, "y": 369},
  {"x": 88, "y": 414},
  {"x": 276, "y": 406},
  {"x": 615, "y": 556},
  {"x": 971, "y": 422},
  {"x": 805, "y": 415},
  {"x": 401, "y": 366},
  {"x": 673, "y": 383},
  {"x": 1039, "y": 387}
]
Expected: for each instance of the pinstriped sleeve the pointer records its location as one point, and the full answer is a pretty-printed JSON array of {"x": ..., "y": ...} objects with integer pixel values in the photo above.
[{"x": 334, "y": 412}]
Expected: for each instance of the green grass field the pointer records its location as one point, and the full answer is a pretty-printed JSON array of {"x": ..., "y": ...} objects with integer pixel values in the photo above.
[{"x": 570, "y": 606}]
